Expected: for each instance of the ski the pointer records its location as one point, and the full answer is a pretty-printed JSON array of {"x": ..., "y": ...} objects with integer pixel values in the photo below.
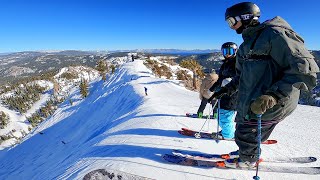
[
  {"x": 203, "y": 156},
  {"x": 234, "y": 154},
  {"x": 222, "y": 165},
  {"x": 192, "y": 115},
  {"x": 206, "y": 135}
]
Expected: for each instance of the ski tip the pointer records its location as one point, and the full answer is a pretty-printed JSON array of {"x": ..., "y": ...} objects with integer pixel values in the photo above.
[
  {"x": 185, "y": 129},
  {"x": 312, "y": 159},
  {"x": 185, "y": 133},
  {"x": 270, "y": 142}
]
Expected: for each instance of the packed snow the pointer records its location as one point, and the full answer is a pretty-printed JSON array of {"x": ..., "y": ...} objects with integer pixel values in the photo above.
[{"x": 118, "y": 127}]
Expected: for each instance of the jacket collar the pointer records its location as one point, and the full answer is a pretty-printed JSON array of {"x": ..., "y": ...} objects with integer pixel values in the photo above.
[{"x": 252, "y": 31}]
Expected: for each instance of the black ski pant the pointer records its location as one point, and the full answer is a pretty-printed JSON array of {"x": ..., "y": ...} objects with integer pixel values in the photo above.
[
  {"x": 247, "y": 141},
  {"x": 202, "y": 106}
]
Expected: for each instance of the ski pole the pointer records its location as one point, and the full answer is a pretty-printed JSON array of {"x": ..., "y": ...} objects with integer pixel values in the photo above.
[
  {"x": 198, "y": 135},
  {"x": 208, "y": 117},
  {"x": 256, "y": 177},
  {"x": 218, "y": 123}
]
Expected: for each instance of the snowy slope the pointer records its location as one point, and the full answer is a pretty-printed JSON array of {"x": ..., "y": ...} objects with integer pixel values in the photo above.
[
  {"x": 18, "y": 124},
  {"x": 118, "y": 127}
]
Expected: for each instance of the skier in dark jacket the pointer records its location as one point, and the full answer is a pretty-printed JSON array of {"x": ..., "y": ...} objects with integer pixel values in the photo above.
[
  {"x": 146, "y": 91},
  {"x": 273, "y": 65},
  {"x": 227, "y": 102}
]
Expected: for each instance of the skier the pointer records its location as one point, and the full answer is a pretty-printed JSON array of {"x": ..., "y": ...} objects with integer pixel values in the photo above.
[
  {"x": 274, "y": 65},
  {"x": 210, "y": 78},
  {"x": 132, "y": 57},
  {"x": 227, "y": 102},
  {"x": 146, "y": 91}
]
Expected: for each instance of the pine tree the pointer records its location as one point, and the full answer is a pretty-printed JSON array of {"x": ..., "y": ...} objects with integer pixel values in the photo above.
[
  {"x": 56, "y": 88},
  {"x": 183, "y": 75},
  {"x": 113, "y": 68},
  {"x": 4, "y": 119},
  {"x": 102, "y": 68},
  {"x": 195, "y": 67},
  {"x": 84, "y": 90}
]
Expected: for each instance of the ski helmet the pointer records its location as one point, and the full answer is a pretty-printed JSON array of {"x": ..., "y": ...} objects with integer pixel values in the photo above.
[
  {"x": 245, "y": 11},
  {"x": 229, "y": 49}
]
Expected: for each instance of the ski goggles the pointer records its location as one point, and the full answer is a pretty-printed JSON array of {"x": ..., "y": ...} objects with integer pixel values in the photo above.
[
  {"x": 232, "y": 21},
  {"x": 228, "y": 51}
]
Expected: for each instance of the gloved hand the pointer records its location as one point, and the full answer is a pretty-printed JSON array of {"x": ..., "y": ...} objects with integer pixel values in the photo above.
[
  {"x": 262, "y": 104},
  {"x": 218, "y": 94}
]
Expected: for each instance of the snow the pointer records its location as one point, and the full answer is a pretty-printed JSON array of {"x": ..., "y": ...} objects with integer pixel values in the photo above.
[
  {"x": 118, "y": 127},
  {"x": 18, "y": 124}
]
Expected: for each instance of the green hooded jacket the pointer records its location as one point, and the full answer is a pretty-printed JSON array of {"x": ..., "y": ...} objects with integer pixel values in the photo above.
[{"x": 272, "y": 60}]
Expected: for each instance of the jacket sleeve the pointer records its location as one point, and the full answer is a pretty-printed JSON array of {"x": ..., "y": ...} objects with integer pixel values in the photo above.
[
  {"x": 218, "y": 82},
  {"x": 298, "y": 65},
  {"x": 232, "y": 87}
]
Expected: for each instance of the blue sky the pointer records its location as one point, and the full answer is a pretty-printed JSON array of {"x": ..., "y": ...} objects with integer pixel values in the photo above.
[{"x": 138, "y": 24}]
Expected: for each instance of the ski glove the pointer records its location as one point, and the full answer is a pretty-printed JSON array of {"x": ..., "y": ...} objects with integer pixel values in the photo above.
[
  {"x": 218, "y": 94},
  {"x": 262, "y": 104}
]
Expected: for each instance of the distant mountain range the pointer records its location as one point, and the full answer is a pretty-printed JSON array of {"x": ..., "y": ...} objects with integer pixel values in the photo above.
[
  {"x": 25, "y": 64},
  {"x": 15, "y": 66},
  {"x": 169, "y": 51}
]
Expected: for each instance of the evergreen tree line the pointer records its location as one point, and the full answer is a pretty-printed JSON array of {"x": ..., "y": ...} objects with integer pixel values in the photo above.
[
  {"x": 23, "y": 97},
  {"x": 13, "y": 85},
  {"x": 158, "y": 69},
  {"x": 103, "y": 68},
  {"x": 191, "y": 64},
  {"x": 44, "y": 112}
]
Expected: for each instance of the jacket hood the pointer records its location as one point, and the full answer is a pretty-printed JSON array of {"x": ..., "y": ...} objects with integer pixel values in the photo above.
[
  {"x": 277, "y": 21},
  {"x": 274, "y": 22}
]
